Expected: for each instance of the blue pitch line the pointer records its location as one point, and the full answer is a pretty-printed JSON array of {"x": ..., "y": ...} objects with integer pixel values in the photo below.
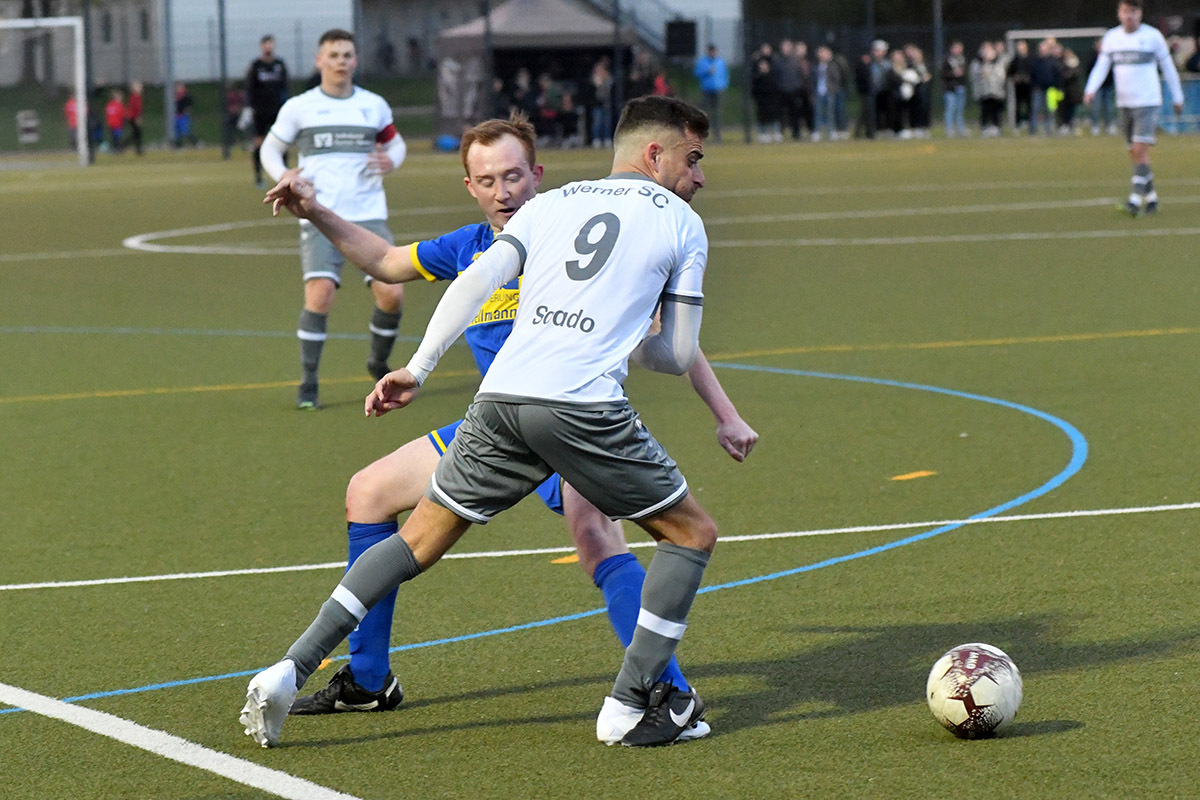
[
  {"x": 182, "y": 332},
  {"x": 1079, "y": 454}
]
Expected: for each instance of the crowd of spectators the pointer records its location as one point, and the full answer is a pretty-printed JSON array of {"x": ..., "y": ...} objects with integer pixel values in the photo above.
[
  {"x": 798, "y": 96},
  {"x": 576, "y": 113},
  {"x": 802, "y": 97}
]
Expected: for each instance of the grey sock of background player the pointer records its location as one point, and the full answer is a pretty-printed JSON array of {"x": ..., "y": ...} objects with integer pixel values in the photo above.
[
  {"x": 312, "y": 340},
  {"x": 376, "y": 572},
  {"x": 670, "y": 587},
  {"x": 385, "y": 325},
  {"x": 1143, "y": 179}
]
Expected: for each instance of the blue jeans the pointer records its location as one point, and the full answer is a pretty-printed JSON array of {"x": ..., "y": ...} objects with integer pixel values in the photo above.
[
  {"x": 839, "y": 111},
  {"x": 824, "y": 114},
  {"x": 712, "y": 107},
  {"x": 955, "y": 103},
  {"x": 1039, "y": 115},
  {"x": 1104, "y": 111},
  {"x": 601, "y": 124}
]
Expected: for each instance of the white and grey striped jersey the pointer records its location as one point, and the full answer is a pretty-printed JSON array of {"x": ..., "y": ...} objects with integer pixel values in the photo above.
[
  {"x": 1135, "y": 59},
  {"x": 334, "y": 136}
]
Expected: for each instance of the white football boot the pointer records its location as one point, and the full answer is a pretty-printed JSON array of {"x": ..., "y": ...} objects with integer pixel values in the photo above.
[{"x": 268, "y": 698}]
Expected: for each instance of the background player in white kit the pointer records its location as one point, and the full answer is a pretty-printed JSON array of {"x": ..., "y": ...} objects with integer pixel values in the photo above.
[
  {"x": 1135, "y": 53},
  {"x": 597, "y": 258},
  {"x": 347, "y": 142}
]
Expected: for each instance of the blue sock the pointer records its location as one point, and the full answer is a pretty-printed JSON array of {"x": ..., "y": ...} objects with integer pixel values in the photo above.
[
  {"x": 369, "y": 641},
  {"x": 620, "y": 578}
]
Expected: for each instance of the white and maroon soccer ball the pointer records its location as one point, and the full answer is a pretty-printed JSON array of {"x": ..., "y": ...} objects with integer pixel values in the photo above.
[{"x": 974, "y": 690}]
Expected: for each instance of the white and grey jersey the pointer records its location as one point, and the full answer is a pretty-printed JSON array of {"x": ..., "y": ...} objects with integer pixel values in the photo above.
[
  {"x": 598, "y": 257},
  {"x": 334, "y": 136},
  {"x": 1135, "y": 59}
]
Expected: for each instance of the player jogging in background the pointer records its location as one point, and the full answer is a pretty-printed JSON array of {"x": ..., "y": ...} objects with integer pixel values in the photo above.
[
  {"x": 266, "y": 92},
  {"x": 499, "y": 157},
  {"x": 596, "y": 259},
  {"x": 1136, "y": 52},
  {"x": 347, "y": 143}
]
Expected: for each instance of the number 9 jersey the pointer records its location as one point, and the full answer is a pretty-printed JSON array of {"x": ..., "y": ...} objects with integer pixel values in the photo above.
[{"x": 597, "y": 259}]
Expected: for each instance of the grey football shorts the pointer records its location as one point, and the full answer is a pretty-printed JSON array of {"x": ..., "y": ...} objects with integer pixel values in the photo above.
[
  {"x": 320, "y": 259},
  {"x": 1139, "y": 124},
  {"x": 506, "y": 447}
]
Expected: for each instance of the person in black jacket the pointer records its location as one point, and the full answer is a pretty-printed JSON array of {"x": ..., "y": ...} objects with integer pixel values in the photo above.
[
  {"x": 1019, "y": 69},
  {"x": 266, "y": 91},
  {"x": 1045, "y": 74}
]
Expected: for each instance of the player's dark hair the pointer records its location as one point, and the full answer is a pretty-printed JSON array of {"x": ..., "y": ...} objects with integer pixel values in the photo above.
[
  {"x": 1132, "y": 3},
  {"x": 490, "y": 131},
  {"x": 336, "y": 35},
  {"x": 656, "y": 111},
  {"x": 267, "y": 38}
]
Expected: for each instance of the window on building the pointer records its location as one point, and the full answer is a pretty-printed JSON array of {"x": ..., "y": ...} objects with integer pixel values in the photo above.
[
  {"x": 106, "y": 27},
  {"x": 144, "y": 24}
]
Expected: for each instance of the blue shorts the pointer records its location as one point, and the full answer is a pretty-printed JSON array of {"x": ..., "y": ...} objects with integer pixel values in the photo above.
[{"x": 550, "y": 490}]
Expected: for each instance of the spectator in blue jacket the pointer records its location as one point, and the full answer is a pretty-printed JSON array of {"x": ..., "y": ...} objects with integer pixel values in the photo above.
[{"x": 713, "y": 75}]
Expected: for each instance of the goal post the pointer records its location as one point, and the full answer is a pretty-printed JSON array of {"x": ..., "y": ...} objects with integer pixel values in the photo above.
[{"x": 78, "y": 77}]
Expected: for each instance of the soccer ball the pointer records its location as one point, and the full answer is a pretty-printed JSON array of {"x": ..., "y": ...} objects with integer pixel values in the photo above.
[{"x": 974, "y": 690}]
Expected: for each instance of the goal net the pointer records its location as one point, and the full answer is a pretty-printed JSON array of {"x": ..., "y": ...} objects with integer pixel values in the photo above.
[{"x": 42, "y": 88}]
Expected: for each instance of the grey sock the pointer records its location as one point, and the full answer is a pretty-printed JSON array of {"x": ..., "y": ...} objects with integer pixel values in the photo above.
[
  {"x": 667, "y": 594},
  {"x": 1143, "y": 179},
  {"x": 311, "y": 333},
  {"x": 384, "y": 327},
  {"x": 375, "y": 573},
  {"x": 333, "y": 624}
]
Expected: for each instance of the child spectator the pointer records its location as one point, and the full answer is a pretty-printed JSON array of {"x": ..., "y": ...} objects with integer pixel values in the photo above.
[
  {"x": 183, "y": 116},
  {"x": 114, "y": 115}
]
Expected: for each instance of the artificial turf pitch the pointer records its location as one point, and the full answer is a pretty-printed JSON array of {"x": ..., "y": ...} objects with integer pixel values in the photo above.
[{"x": 1031, "y": 348}]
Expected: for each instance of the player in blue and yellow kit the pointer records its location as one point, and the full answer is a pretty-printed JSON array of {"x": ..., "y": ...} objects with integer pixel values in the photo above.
[{"x": 502, "y": 174}]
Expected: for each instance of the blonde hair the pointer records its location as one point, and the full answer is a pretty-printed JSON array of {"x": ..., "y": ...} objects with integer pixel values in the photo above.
[{"x": 492, "y": 130}]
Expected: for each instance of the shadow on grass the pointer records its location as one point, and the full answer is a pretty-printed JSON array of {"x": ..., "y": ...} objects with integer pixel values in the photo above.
[
  {"x": 873, "y": 668},
  {"x": 860, "y": 670}
]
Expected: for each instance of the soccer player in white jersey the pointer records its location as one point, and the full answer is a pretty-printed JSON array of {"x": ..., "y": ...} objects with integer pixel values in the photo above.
[
  {"x": 597, "y": 259},
  {"x": 347, "y": 141},
  {"x": 1135, "y": 53}
]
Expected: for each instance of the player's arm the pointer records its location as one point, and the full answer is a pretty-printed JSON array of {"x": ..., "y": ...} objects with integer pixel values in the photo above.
[
  {"x": 733, "y": 433},
  {"x": 390, "y": 151},
  {"x": 1171, "y": 75},
  {"x": 369, "y": 251},
  {"x": 674, "y": 347},
  {"x": 1096, "y": 78},
  {"x": 459, "y": 305},
  {"x": 271, "y": 154}
]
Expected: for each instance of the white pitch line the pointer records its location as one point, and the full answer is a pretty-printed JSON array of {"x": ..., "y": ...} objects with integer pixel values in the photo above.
[
  {"x": 925, "y": 211},
  {"x": 166, "y": 745},
  {"x": 963, "y": 238},
  {"x": 753, "y": 537},
  {"x": 6, "y": 258},
  {"x": 908, "y": 189},
  {"x": 146, "y": 241}
]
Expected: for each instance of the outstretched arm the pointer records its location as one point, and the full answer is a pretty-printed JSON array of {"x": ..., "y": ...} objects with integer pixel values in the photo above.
[
  {"x": 733, "y": 433},
  {"x": 497, "y": 266},
  {"x": 372, "y": 253}
]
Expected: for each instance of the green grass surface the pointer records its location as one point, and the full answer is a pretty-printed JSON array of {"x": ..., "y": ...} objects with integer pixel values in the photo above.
[{"x": 148, "y": 428}]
